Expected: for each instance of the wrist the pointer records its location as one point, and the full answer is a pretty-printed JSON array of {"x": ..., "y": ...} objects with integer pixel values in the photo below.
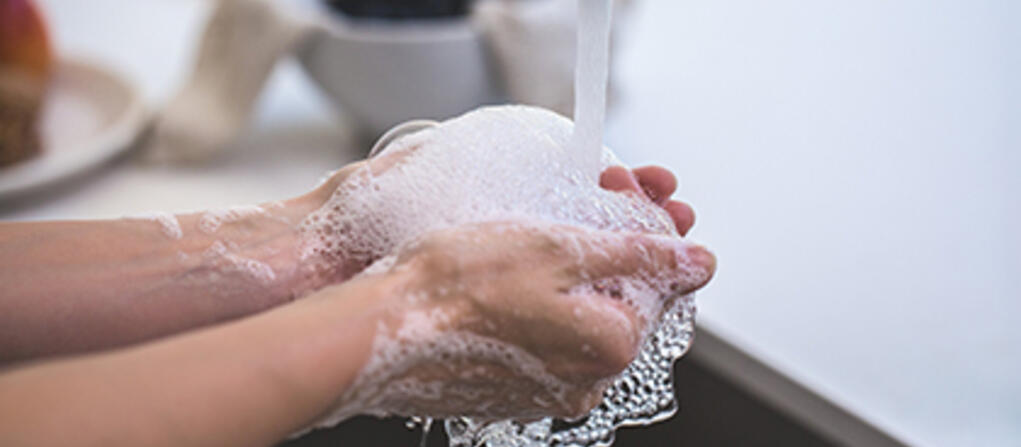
[
  {"x": 321, "y": 260},
  {"x": 262, "y": 249},
  {"x": 336, "y": 329},
  {"x": 301, "y": 260},
  {"x": 251, "y": 251}
]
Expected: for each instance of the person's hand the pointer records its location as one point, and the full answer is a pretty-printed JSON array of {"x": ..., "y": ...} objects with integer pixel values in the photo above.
[
  {"x": 494, "y": 320},
  {"x": 654, "y": 183},
  {"x": 507, "y": 320}
]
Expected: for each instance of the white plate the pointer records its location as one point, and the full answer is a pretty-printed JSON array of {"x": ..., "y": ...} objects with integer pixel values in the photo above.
[{"x": 90, "y": 115}]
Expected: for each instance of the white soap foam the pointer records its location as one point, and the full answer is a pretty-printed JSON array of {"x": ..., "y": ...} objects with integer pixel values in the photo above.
[
  {"x": 167, "y": 222},
  {"x": 222, "y": 255},
  {"x": 506, "y": 164},
  {"x": 385, "y": 386},
  {"x": 495, "y": 163},
  {"x": 509, "y": 163},
  {"x": 211, "y": 221}
]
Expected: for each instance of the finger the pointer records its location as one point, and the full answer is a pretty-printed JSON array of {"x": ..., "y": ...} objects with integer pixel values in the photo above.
[
  {"x": 658, "y": 183},
  {"x": 682, "y": 215},
  {"x": 685, "y": 266},
  {"x": 618, "y": 178}
]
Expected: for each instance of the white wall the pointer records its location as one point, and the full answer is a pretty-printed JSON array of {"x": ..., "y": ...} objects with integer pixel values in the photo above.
[{"x": 855, "y": 165}]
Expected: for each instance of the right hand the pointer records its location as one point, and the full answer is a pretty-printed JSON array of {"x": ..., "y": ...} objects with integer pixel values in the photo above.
[{"x": 469, "y": 310}]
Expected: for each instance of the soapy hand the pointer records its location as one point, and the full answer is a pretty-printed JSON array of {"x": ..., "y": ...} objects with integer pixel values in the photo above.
[
  {"x": 487, "y": 319},
  {"x": 657, "y": 184},
  {"x": 510, "y": 285},
  {"x": 518, "y": 319},
  {"x": 500, "y": 319},
  {"x": 653, "y": 183},
  {"x": 521, "y": 318}
]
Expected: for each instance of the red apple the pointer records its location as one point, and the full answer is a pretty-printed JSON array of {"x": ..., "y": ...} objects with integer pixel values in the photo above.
[
  {"x": 24, "y": 41},
  {"x": 26, "y": 61}
]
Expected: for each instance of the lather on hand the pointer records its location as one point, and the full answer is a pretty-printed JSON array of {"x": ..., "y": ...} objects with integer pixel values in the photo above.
[{"x": 123, "y": 281}]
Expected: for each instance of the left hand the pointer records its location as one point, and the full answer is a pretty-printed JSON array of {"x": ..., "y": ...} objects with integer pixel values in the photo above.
[{"x": 651, "y": 182}]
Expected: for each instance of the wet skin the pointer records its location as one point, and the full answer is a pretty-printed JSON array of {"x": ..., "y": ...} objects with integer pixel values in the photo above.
[{"x": 251, "y": 381}]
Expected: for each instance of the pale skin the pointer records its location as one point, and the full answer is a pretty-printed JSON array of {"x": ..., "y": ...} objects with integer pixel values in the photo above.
[{"x": 107, "y": 292}]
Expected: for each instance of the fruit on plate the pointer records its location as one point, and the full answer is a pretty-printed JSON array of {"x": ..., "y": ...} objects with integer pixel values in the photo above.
[{"x": 26, "y": 62}]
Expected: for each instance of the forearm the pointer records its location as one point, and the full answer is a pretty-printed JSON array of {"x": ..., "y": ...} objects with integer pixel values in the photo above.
[
  {"x": 76, "y": 286},
  {"x": 245, "y": 383}
]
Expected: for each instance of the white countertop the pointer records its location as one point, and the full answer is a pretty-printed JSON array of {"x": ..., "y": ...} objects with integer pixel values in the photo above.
[{"x": 855, "y": 166}]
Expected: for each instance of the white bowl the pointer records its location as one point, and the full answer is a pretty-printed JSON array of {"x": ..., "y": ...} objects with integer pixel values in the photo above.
[{"x": 385, "y": 72}]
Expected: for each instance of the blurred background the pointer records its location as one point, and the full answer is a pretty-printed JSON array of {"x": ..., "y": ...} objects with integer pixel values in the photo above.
[{"x": 855, "y": 165}]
